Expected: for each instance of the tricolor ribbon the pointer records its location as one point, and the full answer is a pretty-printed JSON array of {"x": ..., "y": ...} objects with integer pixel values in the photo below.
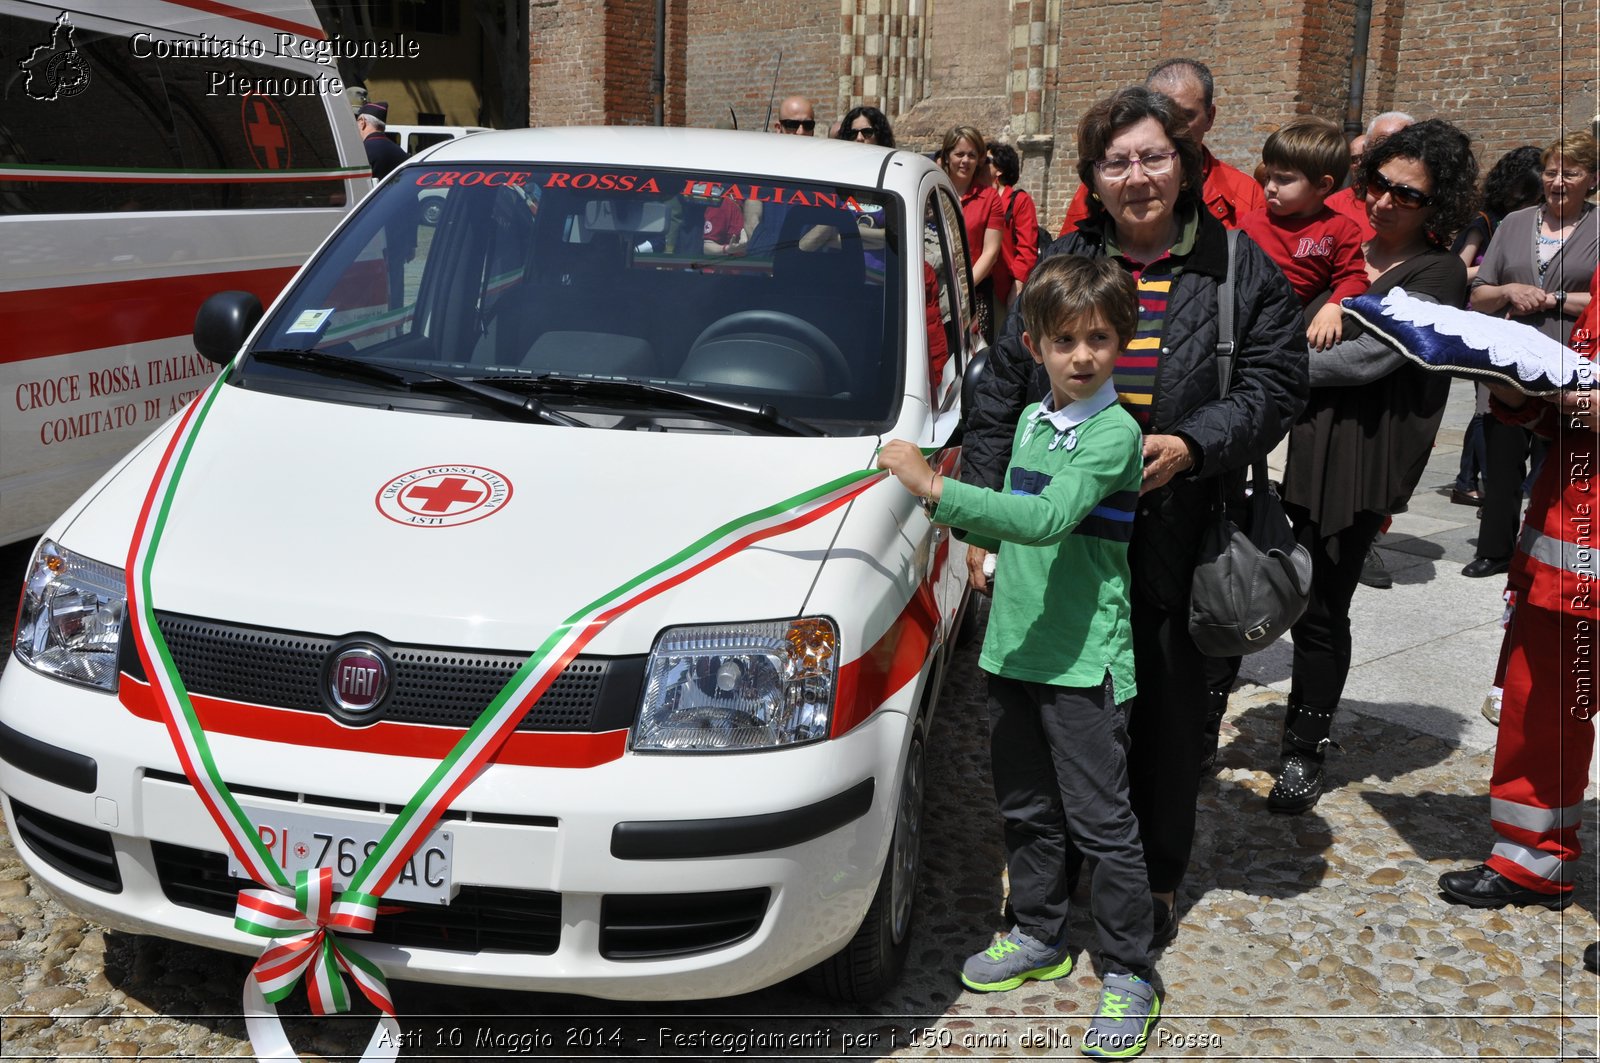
[{"x": 300, "y": 917}]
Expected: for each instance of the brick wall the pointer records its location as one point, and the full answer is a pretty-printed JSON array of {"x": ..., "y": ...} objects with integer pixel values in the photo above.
[
  {"x": 564, "y": 53},
  {"x": 1520, "y": 72},
  {"x": 1513, "y": 72},
  {"x": 732, "y": 53}
]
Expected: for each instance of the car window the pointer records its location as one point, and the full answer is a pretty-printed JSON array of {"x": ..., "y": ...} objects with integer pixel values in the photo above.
[{"x": 755, "y": 290}]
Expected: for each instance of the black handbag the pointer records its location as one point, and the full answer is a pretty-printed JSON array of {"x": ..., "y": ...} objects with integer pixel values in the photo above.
[{"x": 1251, "y": 584}]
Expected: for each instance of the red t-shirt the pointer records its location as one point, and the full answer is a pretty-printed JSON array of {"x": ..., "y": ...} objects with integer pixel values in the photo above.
[
  {"x": 723, "y": 221},
  {"x": 1318, "y": 253},
  {"x": 981, "y": 209},
  {"x": 1229, "y": 195}
]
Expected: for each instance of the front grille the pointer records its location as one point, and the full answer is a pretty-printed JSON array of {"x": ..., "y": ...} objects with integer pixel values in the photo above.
[
  {"x": 480, "y": 919},
  {"x": 653, "y": 926},
  {"x": 84, "y": 853},
  {"x": 430, "y": 685}
]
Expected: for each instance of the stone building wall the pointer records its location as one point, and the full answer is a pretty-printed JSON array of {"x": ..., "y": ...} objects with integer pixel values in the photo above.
[{"x": 1024, "y": 70}]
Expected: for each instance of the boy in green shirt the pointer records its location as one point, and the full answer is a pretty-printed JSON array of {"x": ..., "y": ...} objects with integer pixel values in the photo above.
[{"x": 1059, "y": 649}]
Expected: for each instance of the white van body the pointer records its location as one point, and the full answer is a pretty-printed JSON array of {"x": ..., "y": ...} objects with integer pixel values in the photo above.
[
  {"x": 136, "y": 178},
  {"x": 414, "y": 138},
  {"x": 390, "y": 503}
]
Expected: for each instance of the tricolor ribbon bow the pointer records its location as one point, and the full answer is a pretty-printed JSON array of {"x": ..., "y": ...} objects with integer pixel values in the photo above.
[{"x": 304, "y": 943}]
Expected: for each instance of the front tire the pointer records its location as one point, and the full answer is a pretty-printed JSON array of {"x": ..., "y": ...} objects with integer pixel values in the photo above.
[{"x": 871, "y": 963}]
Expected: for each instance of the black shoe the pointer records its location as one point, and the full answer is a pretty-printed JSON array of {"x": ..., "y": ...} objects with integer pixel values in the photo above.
[
  {"x": 1484, "y": 887},
  {"x": 1591, "y": 957},
  {"x": 1166, "y": 923},
  {"x": 1480, "y": 567},
  {"x": 1298, "y": 786},
  {"x": 1465, "y": 498},
  {"x": 1374, "y": 573}
]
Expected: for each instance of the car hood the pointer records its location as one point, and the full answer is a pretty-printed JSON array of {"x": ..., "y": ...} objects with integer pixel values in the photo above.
[{"x": 425, "y": 529}]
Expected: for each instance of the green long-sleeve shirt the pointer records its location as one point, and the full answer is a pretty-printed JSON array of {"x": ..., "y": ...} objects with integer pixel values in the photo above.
[{"x": 1060, "y": 613}]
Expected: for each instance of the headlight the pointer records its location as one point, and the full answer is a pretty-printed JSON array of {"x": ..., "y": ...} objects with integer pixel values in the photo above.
[
  {"x": 71, "y": 617},
  {"x": 734, "y": 687}
]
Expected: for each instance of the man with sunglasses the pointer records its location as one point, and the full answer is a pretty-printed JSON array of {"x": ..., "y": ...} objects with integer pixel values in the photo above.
[{"x": 796, "y": 117}]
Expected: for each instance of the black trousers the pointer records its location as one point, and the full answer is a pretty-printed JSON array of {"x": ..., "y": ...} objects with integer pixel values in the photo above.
[
  {"x": 1166, "y": 724},
  {"x": 1508, "y": 449},
  {"x": 1322, "y": 635},
  {"x": 1166, "y": 729},
  {"x": 1061, "y": 781}
]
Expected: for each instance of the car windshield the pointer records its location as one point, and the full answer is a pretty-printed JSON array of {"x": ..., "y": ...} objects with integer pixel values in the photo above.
[{"x": 781, "y": 296}]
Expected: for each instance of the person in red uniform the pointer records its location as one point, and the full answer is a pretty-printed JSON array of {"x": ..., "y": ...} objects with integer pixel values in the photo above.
[
  {"x": 1351, "y": 202},
  {"x": 1229, "y": 194},
  {"x": 1541, "y": 759}
]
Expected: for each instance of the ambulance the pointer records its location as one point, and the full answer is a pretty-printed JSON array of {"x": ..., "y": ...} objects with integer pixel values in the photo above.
[
  {"x": 526, "y": 577},
  {"x": 151, "y": 153}
]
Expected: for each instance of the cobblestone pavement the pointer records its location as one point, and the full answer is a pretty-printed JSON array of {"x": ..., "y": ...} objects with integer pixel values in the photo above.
[{"x": 1311, "y": 937}]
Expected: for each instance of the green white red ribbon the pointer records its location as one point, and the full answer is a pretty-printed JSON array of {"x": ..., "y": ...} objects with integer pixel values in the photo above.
[{"x": 300, "y": 917}]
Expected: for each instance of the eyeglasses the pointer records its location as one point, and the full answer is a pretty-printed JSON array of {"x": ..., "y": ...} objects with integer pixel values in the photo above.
[
  {"x": 1154, "y": 164},
  {"x": 1403, "y": 195},
  {"x": 794, "y": 125},
  {"x": 857, "y": 132},
  {"x": 1562, "y": 175}
]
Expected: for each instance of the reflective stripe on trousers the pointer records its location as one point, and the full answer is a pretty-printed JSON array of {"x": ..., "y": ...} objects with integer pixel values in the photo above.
[{"x": 1557, "y": 553}]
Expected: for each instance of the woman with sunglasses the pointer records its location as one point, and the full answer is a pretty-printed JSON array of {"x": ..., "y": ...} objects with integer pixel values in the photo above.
[
  {"x": 1145, "y": 174},
  {"x": 1536, "y": 257},
  {"x": 866, "y": 125},
  {"x": 1358, "y": 450}
]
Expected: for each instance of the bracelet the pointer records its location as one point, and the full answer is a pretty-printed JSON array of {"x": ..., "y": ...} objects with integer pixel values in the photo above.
[{"x": 931, "y": 481}]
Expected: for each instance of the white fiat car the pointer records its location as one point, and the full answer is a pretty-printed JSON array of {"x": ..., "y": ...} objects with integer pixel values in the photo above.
[{"x": 528, "y": 570}]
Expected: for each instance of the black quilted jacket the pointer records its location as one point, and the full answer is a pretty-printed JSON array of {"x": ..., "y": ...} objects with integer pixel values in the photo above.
[{"x": 1269, "y": 390}]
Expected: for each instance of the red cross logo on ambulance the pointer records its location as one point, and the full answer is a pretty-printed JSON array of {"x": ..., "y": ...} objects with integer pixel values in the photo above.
[
  {"x": 265, "y": 131},
  {"x": 443, "y": 496}
]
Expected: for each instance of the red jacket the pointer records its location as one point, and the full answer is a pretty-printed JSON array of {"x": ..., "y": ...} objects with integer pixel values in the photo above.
[
  {"x": 1230, "y": 194},
  {"x": 1346, "y": 202},
  {"x": 1558, "y": 553}
]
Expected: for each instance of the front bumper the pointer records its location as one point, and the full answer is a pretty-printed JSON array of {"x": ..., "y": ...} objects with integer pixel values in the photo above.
[{"x": 758, "y": 865}]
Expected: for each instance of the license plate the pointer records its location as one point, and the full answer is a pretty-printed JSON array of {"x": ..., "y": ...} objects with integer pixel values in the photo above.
[{"x": 301, "y": 841}]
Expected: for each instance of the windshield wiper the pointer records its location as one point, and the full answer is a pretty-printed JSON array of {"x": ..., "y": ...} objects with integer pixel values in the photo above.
[
  {"x": 526, "y": 406},
  {"x": 324, "y": 362},
  {"x": 676, "y": 398}
]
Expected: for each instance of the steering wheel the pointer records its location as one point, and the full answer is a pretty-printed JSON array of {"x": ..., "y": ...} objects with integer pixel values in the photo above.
[{"x": 775, "y": 321}]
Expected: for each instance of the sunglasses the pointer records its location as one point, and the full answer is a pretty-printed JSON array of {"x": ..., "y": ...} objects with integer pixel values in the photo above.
[
  {"x": 857, "y": 132},
  {"x": 1403, "y": 195},
  {"x": 794, "y": 124}
]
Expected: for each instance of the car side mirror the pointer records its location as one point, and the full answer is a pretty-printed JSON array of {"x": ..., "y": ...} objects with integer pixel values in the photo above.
[
  {"x": 222, "y": 324},
  {"x": 970, "y": 377}
]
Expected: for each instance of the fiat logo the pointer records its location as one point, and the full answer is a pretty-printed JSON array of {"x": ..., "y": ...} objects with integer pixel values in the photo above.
[{"x": 357, "y": 680}]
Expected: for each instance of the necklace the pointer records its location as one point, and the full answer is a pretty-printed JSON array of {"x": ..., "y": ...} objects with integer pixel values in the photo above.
[{"x": 1545, "y": 248}]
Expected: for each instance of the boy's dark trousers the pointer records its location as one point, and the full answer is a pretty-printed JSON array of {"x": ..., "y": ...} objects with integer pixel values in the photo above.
[{"x": 1060, "y": 763}]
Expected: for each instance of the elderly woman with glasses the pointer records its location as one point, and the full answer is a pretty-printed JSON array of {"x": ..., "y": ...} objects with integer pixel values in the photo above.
[
  {"x": 1146, "y": 213},
  {"x": 866, "y": 125},
  {"x": 1359, "y": 448}
]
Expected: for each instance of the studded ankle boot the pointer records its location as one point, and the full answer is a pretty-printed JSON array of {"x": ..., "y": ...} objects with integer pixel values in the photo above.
[{"x": 1300, "y": 777}]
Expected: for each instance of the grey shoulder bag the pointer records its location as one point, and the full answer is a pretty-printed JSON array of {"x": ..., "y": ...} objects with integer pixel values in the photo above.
[{"x": 1251, "y": 584}]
